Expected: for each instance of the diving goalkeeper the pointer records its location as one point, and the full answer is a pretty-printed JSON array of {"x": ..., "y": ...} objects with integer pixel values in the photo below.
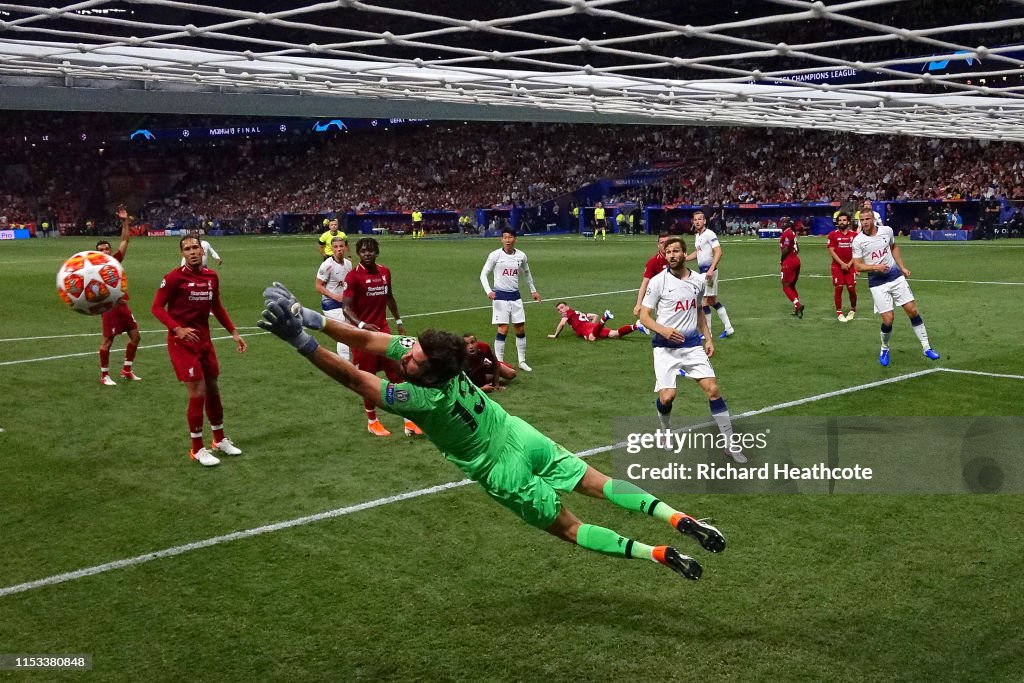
[{"x": 515, "y": 464}]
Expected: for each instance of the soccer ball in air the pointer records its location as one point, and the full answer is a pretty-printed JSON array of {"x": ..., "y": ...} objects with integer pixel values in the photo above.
[{"x": 91, "y": 282}]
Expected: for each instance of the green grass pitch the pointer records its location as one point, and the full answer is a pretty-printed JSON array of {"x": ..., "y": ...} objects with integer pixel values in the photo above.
[{"x": 447, "y": 585}]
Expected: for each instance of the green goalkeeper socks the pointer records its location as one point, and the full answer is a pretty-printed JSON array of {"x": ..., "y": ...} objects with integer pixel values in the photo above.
[
  {"x": 606, "y": 541},
  {"x": 631, "y": 497}
]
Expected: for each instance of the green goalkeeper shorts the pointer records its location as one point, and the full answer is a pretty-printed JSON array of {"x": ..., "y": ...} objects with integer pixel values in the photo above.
[{"x": 530, "y": 472}]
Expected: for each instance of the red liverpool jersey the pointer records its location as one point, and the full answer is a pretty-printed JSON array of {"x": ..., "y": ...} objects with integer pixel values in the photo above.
[
  {"x": 655, "y": 265},
  {"x": 187, "y": 297},
  {"x": 789, "y": 246},
  {"x": 369, "y": 294},
  {"x": 842, "y": 244}
]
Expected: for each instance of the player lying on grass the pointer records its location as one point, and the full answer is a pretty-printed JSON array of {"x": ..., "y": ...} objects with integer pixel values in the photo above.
[
  {"x": 515, "y": 464},
  {"x": 589, "y": 326}
]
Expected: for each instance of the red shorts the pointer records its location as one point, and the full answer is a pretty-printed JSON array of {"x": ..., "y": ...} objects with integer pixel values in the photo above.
[
  {"x": 372, "y": 363},
  {"x": 840, "y": 278},
  {"x": 790, "y": 272},
  {"x": 587, "y": 329},
  {"x": 192, "y": 360},
  {"x": 117, "y": 320}
]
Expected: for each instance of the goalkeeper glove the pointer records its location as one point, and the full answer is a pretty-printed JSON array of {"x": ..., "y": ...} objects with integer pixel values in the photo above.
[
  {"x": 281, "y": 322},
  {"x": 314, "y": 320}
]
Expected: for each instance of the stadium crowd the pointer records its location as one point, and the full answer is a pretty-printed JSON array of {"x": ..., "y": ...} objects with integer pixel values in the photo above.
[{"x": 461, "y": 166}]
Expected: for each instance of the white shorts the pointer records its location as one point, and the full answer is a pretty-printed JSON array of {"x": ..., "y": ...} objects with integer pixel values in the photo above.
[
  {"x": 711, "y": 288},
  {"x": 668, "y": 363},
  {"x": 339, "y": 315},
  {"x": 891, "y": 294},
  {"x": 505, "y": 312}
]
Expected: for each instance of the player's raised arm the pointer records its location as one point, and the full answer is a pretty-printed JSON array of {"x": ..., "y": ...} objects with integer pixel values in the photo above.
[
  {"x": 367, "y": 340},
  {"x": 279, "y": 320},
  {"x": 122, "y": 215}
]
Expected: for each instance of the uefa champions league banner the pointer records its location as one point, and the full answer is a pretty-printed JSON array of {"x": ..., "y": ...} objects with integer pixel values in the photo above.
[{"x": 822, "y": 455}]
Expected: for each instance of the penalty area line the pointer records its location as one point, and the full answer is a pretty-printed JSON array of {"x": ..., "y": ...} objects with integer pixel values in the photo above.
[{"x": 379, "y": 502}]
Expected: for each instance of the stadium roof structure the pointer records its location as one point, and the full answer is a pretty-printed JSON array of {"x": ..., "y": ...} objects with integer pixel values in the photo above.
[{"x": 928, "y": 68}]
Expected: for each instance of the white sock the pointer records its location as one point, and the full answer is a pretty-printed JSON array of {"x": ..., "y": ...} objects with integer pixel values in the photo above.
[
  {"x": 724, "y": 317},
  {"x": 344, "y": 352},
  {"x": 665, "y": 420},
  {"x": 886, "y": 336},
  {"x": 499, "y": 349},
  {"x": 521, "y": 348},
  {"x": 922, "y": 336}
]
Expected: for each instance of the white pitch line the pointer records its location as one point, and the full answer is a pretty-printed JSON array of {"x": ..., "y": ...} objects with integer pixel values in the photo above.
[
  {"x": 947, "y": 282},
  {"x": 115, "y": 351},
  {"x": 162, "y": 330},
  {"x": 368, "y": 505},
  {"x": 411, "y": 315},
  {"x": 982, "y": 374}
]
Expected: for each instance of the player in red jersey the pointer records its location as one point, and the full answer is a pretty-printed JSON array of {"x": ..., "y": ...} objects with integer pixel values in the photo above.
[
  {"x": 791, "y": 267},
  {"x": 369, "y": 291},
  {"x": 483, "y": 367},
  {"x": 119, "y": 319},
  {"x": 655, "y": 265},
  {"x": 183, "y": 303},
  {"x": 589, "y": 326},
  {"x": 840, "y": 246}
]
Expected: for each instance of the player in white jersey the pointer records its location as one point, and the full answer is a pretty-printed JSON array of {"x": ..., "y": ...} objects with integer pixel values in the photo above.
[
  {"x": 208, "y": 251},
  {"x": 708, "y": 252},
  {"x": 670, "y": 310},
  {"x": 506, "y": 265},
  {"x": 330, "y": 282},
  {"x": 876, "y": 253}
]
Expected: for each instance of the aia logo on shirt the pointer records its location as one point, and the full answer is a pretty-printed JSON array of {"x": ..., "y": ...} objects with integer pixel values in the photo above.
[
  {"x": 510, "y": 272},
  {"x": 684, "y": 305},
  {"x": 879, "y": 254}
]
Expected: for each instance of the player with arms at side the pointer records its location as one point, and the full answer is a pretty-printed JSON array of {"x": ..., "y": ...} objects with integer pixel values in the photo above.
[
  {"x": 483, "y": 368},
  {"x": 790, "y": 266},
  {"x": 589, "y": 326},
  {"x": 330, "y": 283},
  {"x": 516, "y": 465},
  {"x": 708, "y": 252},
  {"x": 506, "y": 264},
  {"x": 840, "y": 247},
  {"x": 119, "y": 319},
  {"x": 183, "y": 303},
  {"x": 369, "y": 291},
  {"x": 876, "y": 253},
  {"x": 671, "y": 313}
]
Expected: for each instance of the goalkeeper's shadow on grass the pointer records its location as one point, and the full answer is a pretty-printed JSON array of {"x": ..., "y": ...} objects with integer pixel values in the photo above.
[{"x": 626, "y": 606}]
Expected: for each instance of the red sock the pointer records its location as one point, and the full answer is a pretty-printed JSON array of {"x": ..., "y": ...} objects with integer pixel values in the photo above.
[
  {"x": 129, "y": 352},
  {"x": 626, "y": 329},
  {"x": 852, "y": 289},
  {"x": 104, "y": 360},
  {"x": 195, "y": 421},
  {"x": 371, "y": 411},
  {"x": 839, "y": 299},
  {"x": 790, "y": 292},
  {"x": 215, "y": 413}
]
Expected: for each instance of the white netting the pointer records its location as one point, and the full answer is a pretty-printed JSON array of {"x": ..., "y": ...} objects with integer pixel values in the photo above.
[{"x": 937, "y": 69}]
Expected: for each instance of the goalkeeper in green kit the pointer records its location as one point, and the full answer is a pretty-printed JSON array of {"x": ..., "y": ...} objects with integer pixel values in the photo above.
[{"x": 514, "y": 463}]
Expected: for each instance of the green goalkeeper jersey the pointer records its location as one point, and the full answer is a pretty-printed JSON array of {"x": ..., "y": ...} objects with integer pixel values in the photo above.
[{"x": 469, "y": 428}]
